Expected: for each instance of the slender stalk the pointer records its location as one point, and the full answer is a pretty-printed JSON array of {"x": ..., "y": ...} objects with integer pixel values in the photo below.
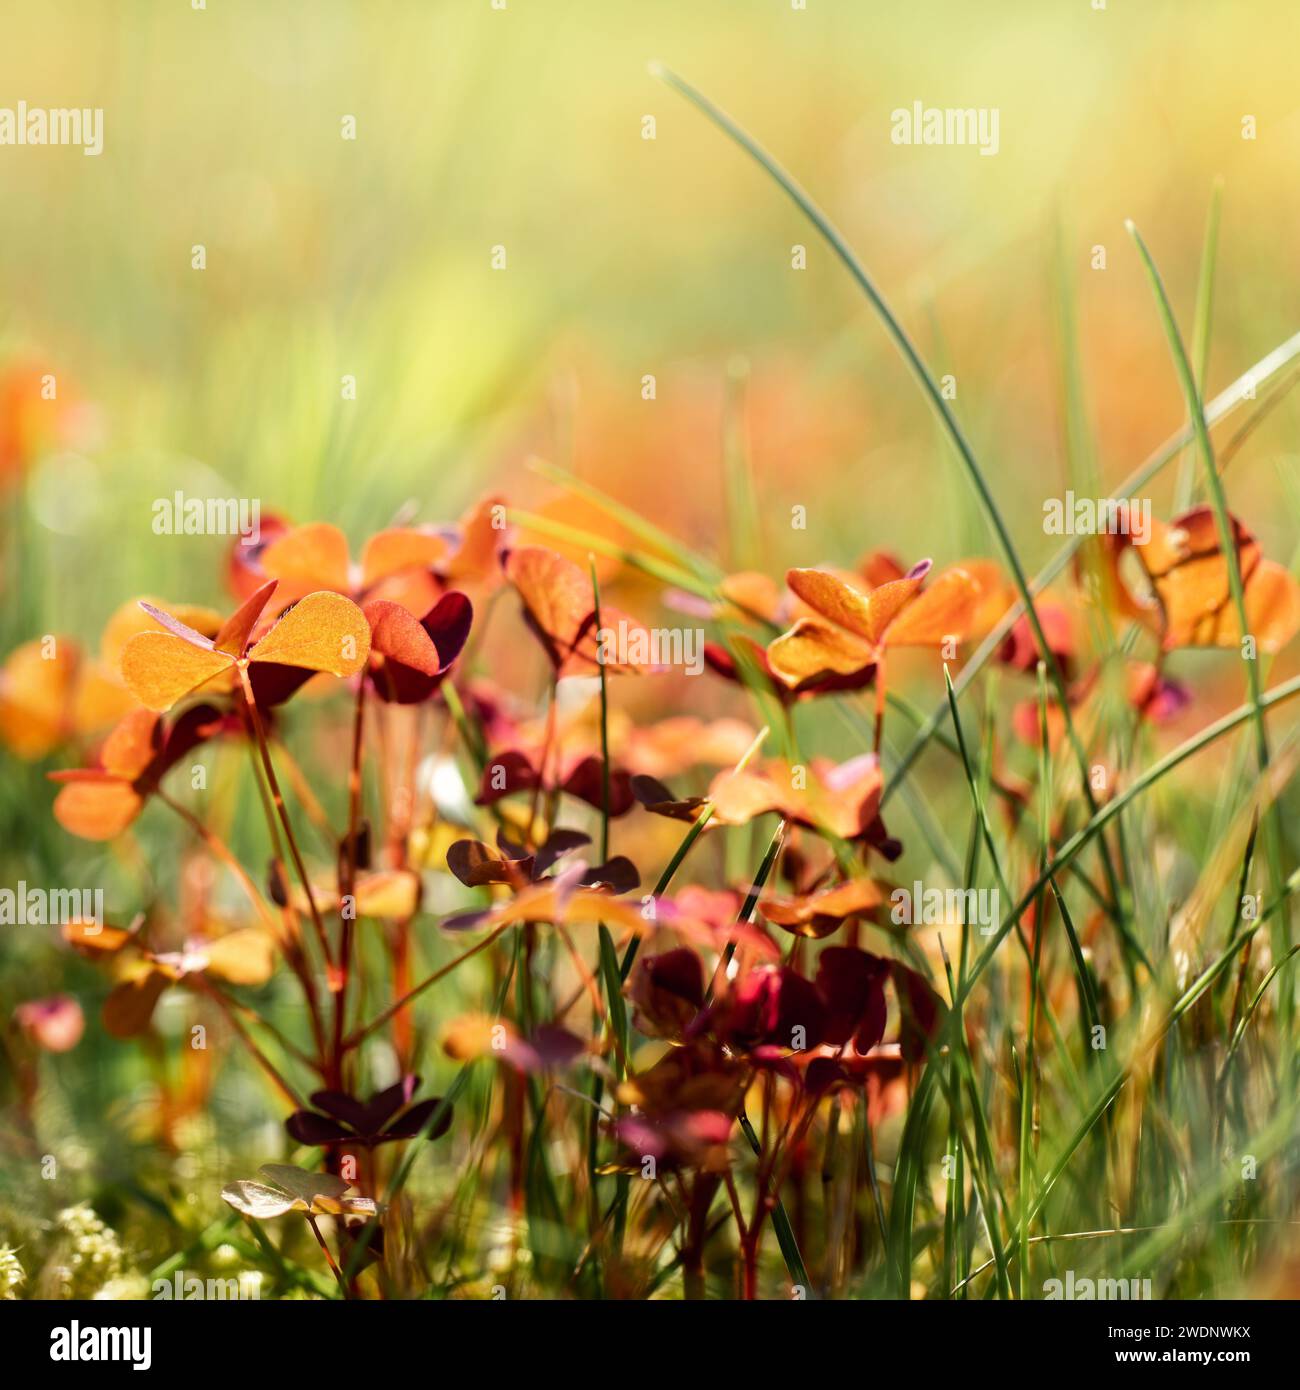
[
  {"x": 1225, "y": 529},
  {"x": 347, "y": 888},
  {"x": 416, "y": 1146},
  {"x": 604, "y": 722},
  {"x": 329, "y": 1258},
  {"x": 211, "y": 992},
  {"x": 1185, "y": 487},
  {"x": 1067, "y": 852},
  {"x": 1213, "y": 483},
  {"x": 218, "y": 846},
  {"x": 751, "y": 902},
  {"x": 616, "y": 1020},
  {"x": 359, "y": 1036},
  {"x": 1031, "y": 1024},
  {"x": 250, "y": 704},
  {"x": 1223, "y": 405},
  {"x": 930, "y": 389},
  {"x": 573, "y": 535},
  {"x": 683, "y": 849},
  {"x": 293, "y": 954}
]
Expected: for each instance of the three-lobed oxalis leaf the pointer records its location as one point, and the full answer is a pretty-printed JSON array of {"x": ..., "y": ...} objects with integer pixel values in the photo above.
[{"x": 294, "y": 1189}]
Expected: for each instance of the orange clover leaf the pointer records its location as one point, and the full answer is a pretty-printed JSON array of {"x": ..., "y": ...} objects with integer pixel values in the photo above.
[
  {"x": 98, "y": 803},
  {"x": 849, "y": 629},
  {"x": 559, "y": 606},
  {"x": 1191, "y": 603},
  {"x": 322, "y": 632}
]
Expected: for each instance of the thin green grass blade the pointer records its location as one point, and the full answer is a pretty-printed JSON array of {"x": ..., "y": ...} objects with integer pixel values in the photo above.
[
  {"x": 1222, "y": 406},
  {"x": 1185, "y": 487},
  {"x": 1227, "y": 545},
  {"x": 653, "y": 536},
  {"x": 648, "y": 564},
  {"x": 1141, "y": 784},
  {"x": 931, "y": 390}
]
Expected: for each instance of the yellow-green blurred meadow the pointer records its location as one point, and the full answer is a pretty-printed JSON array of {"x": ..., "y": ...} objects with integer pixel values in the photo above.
[
  {"x": 521, "y": 127},
  {"x": 368, "y": 263}
]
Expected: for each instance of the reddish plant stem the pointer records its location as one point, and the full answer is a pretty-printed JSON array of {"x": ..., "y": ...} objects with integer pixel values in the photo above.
[
  {"x": 399, "y": 830},
  {"x": 301, "y": 788},
  {"x": 743, "y": 1280},
  {"x": 311, "y": 1063},
  {"x": 347, "y": 888},
  {"x": 208, "y": 989},
  {"x": 701, "y": 1198},
  {"x": 218, "y": 846},
  {"x": 403, "y": 1034},
  {"x": 880, "y": 701},
  {"x": 282, "y": 811},
  {"x": 362, "y": 1033},
  {"x": 330, "y": 1260},
  {"x": 292, "y": 954}
]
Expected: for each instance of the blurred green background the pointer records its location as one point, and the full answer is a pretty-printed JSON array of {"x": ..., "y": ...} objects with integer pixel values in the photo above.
[{"x": 522, "y": 127}]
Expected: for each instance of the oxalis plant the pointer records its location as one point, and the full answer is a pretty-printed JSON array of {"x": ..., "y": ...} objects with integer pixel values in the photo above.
[{"x": 743, "y": 1019}]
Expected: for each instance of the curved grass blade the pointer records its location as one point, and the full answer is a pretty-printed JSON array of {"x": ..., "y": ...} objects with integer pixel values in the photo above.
[
  {"x": 930, "y": 389},
  {"x": 1227, "y": 401},
  {"x": 1185, "y": 487}
]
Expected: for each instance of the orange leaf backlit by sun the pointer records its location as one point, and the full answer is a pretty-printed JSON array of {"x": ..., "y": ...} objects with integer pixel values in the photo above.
[
  {"x": 322, "y": 632},
  {"x": 1191, "y": 603},
  {"x": 849, "y": 629}
]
